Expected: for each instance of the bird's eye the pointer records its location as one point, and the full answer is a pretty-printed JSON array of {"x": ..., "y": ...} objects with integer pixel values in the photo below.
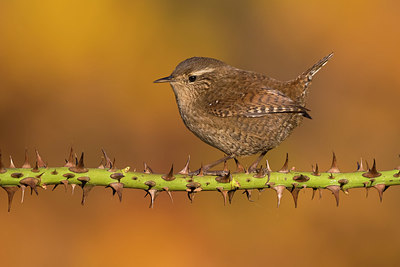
[{"x": 192, "y": 78}]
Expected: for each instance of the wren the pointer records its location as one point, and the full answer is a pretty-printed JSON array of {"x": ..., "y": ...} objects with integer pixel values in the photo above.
[{"x": 240, "y": 112}]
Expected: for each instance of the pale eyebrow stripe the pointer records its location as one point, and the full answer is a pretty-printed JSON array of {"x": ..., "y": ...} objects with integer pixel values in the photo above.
[{"x": 200, "y": 72}]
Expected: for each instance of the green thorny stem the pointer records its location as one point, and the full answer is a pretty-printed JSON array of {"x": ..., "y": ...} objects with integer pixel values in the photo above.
[{"x": 74, "y": 173}]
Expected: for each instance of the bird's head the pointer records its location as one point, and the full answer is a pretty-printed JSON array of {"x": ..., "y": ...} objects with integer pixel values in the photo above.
[{"x": 193, "y": 76}]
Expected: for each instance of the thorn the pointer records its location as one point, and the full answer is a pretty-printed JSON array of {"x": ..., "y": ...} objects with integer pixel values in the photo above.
[
  {"x": 85, "y": 192},
  {"x": 285, "y": 168},
  {"x": 342, "y": 182},
  {"x": 166, "y": 189},
  {"x": 186, "y": 170},
  {"x": 231, "y": 193},
  {"x": 169, "y": 176},
  {"x": 68, "y": 175},
  {"x": 12, "y": 165},
  {"x": 101, "y": 165},
  {"x": 55, "y": 172},
  {"x": 117, "y": 188},
  {"x": 381, "y": 188},
  {"x": 334, "y": 168},
  {"x": 31, "y": 182},
  {"x": 117, "y": 176},
  {"x": 113, "y": 167},
  {"x": 107, "y": 159},
  {"x": 36, "y": 168},
  {"x": 72, "y": 188},
  {"x": 71, "y": 160},
  {"x": 226, "y": 178},
  {"x": 2, "y": 169},
  {"x": 40, "y": 163},
  {"x": 260, "y": 173},
  {"x": 63, "y": 182},
  {"x": 360, "y": 166},
  {"x": 335, "y": 191},
  {"x": 268, "y": 167},
  {"x": 22, "y": 193},
  {"x": 17, "y": 175},
  {"x": 224, "y": 193},
  {"x": 225, "y": 166},
  {"x": 84, "y": 180},
  {"x": 248, "y": 194},
  {"x": 80, "y": 167},
  {"x": 315, "y": 171},
  {"x": 201, "y": 172},
  {"x": 301, "y": 178},
  {"x": 10, "y": 193},
  {"x": 191, "y": 189},
  {"x": 150, "y": 184},
  {"x": 295, "y": 194},
  {"x": 239, "y": 167},
  {"x": 313, "y": 193},
  {"x": 147, "y": 169},
  {"x": 320, "y": 193},
  {"x": 153, "y": 195},
  {"x": 279, "y": 192},
  {"x": 26, "y": 164},
  {"x": 372, "y": 173}
]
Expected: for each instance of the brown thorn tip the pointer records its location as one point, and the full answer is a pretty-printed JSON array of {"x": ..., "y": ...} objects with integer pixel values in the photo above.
[
  {"x": 316, "y": 170},
  {"x": 117, "y": 188},
  {"x": 224, "y": 193},
  {"x": 10, "y": 193},
  {"x": 12, "y": 165},
  {"x": 226, "y": 178},
  {"x": 170, "y": 175},
  {"x": 295, "y": 194},
  {"x": 279, "y": 192},
  {"x": 186, "y": 170},
  {"x": 225, "y": 166},
  {"x": 285, "y": 167},
  {"x": 372, "y": 173},
  {"x": 248, "y": 194},
  {"x": 80, "y": 167},
  {"x": 39, "y": 160},
  {"x": 153, "y": 195},
  {"x": 360, "y": 166},
  {"x": 313, "y": 193},
  {"x": 381, "y": 188},
  {"x": 113, "y": 167},
  {"x": 147, "y": 169},
  {"x": 31, "y": 182},
  {"x": 70, "y": 162},
  {"x": 26, "y": 164},
  {"x": 166, "y": 189},
  {"x": 239, "y": 167},
  {"x": 201, "y": 172},
  {"x": 268, "y": 167},
  {"x": 231, "y": 193},
  {"x": 335, "y": 191},
  {"x": 107, "y": 159},
  {"x": 334, "y": 168},
  {"x": 85, "y": 192}
]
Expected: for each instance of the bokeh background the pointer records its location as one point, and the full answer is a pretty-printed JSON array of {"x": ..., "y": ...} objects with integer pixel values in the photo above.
[{"x": 80, "y": 73}]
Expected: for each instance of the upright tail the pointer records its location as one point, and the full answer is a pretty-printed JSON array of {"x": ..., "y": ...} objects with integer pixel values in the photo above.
[{"x": 314, "y": 69}]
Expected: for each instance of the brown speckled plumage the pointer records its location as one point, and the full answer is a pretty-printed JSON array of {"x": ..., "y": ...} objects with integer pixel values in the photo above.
[{"x": 237, "y": 111}]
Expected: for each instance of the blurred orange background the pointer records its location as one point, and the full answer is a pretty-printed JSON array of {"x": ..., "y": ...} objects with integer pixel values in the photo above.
[{"x": 80, "y": 73}]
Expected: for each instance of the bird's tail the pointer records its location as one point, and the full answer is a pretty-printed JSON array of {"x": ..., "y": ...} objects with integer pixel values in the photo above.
[{"x": 314, "y": 69}]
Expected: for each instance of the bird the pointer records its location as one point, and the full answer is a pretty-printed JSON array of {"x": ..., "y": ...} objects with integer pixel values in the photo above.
[{"x": 239, "y": 112}]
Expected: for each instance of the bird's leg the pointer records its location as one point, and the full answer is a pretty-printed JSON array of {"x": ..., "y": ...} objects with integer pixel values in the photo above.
[
  {"x": 253, "y": 166},
  {"x": 206, "y": 168}
]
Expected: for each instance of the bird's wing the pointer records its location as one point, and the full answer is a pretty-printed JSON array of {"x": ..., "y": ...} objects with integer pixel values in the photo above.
[{"x": 255, "y": 103}]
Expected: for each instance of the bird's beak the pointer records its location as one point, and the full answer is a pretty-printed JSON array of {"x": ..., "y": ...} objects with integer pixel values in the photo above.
[{"x": 164, "y": 80}]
